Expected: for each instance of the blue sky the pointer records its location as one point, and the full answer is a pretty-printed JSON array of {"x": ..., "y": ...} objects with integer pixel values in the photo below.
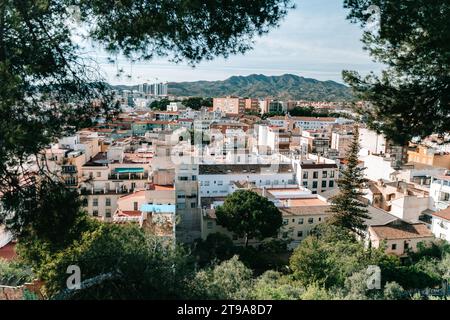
[{"x": 315, "y": 40}]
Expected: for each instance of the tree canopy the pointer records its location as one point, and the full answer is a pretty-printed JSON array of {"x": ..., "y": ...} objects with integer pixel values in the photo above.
[
  {"x": 249, "y": 215},
  {"x": 411, "y": 98}
]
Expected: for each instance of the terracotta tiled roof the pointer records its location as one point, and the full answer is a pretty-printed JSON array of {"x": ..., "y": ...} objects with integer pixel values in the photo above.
[
  {"x": 305, "y": 210},
  {"x": 402, "y": 230},
  {"x": 8, "y": 252},
  {"x": 129, "y": 213},
  {"x": 443, "y": 214}
]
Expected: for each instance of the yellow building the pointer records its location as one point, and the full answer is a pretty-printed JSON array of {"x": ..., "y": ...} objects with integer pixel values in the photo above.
[{"x": 429, "y": 156}]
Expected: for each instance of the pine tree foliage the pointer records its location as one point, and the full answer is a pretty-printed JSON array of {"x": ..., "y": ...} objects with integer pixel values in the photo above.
[{"x": 347, "y": 209}]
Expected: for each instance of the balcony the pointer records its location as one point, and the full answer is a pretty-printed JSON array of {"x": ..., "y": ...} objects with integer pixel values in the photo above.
[
  {"x": 69, "y": 169},
  {"x": 128, "y": 176},
  {"x": 85, "y": 191}
]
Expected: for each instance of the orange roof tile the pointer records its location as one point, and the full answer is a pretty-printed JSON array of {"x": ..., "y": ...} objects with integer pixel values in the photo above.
[
  {"x": 402, "y": 230},
  {"x": 444, "y": 214}
]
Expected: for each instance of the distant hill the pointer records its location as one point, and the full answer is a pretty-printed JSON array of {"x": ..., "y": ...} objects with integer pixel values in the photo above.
[{"x": 287, "y": 86}]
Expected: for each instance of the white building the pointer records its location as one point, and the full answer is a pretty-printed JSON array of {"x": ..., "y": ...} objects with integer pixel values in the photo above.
[
  {"x": 440, "y": 225},
  {"x": 316, "y": 173},
  {"x": 215, "y": 180},
  {"x": 440, "y": 192}
]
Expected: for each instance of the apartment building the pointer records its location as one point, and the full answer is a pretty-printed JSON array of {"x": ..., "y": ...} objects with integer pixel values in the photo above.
[
  {"x": 380, "y": 154},
  {"x": 440, "y": 191},
  {"x": 153, "y": 209},
  {"x": 273, "y": 139},
  {"x": 270, "y": 105},
  {"x": 401, "y": 199},
  {"x": 341, "y": 142},
  {"x": 107, "y": 176},
  {"x": 440, "y": 224},
  {"x": 230, "y": 105},
  {"x": 316, "y": 173},
  {"x": 307, "y": 123},
  {"x": 252, "y": 105},
  {"x": 429, "y": 156},
  {"x": 316, "y": 141},
  {"x": 215, "y": 180}
]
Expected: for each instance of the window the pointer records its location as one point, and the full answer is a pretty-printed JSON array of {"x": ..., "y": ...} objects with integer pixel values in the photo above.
[
  {"x": 95, "y": 202},
  {"x": 95, "y": 213},
  {"x": 324, "y": 174},
  {"x": 193, "y": 205},
  {"x": 194, "y": 178},
  {"x": 220, "y": 183},
  {"x": 299, "y": 234},
  {"x": 181, "y": 206},
  {"x": 183, "y": 178},
  {"x": 305, "y": 175},
  {"x": 406, "y": 245},
  {"x": 85, "y": 202},
  {"x": 324, "y": 184},
  {"x": 70, "y": 181},
  {"x": 320, "y": 219},
  {"x": 135, "y": 206},
  {"x": 314, "y": 184},
  {"x": 293, "y": 220},
  {"x": 108, "y": 202},
  {"x": 305, "y": 184},
  {"x": 332, "y": 174},
  {"x": 315, "y": 174},
  {"x": 394, "y": 246},
  {"x": 310, "y": 220},
  {"x": 285, "y": 221},
  {"x": 99, "y": 174},
  {"x": 331, "y": 184},
  {"x": 210, "y": 225},
  {"x": 206, "y": 183},
  {"x": 108, "y": 213},
  {"x": 300, "y": 221}
]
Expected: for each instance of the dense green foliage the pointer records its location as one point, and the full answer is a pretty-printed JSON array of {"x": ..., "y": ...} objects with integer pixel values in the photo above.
[
  {"x": 249, "y": 215},
  {"x": 310, "y": 112},
  {"x": 331, "y": 258},
  {"x": 160, "y": 105},
  {"x": 288, "y": 87},
  {"x": 217, "y": 247},
  {"x": 411, "y": 97},
  {"x": 14, "y": 273},
  {"x": 346, "y": 207},
  {"x": 196, "y": 103}
]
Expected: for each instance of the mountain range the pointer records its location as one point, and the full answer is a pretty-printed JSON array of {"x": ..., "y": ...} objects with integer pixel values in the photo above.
[{"x": 287, "y": 86}]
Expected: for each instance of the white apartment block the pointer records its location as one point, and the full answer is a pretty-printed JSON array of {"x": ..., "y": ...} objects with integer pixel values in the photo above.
[
  {"x": 440, "y": 225},
  {"x": 215, "y": 180},
  {"x": 440, "y": 192},
  {"x": 318, "y": 174}
]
